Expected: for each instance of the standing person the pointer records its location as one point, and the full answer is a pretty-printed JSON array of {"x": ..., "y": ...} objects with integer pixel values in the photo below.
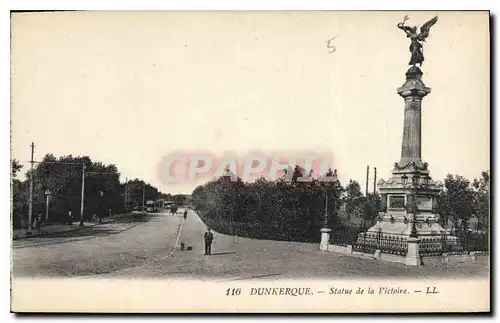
[
  {"x": 70, "y": 217},
  {"x": 209, "y": 237},
  {"x": 39, "y": 220},
  {"x": 185, "y": 214},
  {"x": 34, "y": 222}
]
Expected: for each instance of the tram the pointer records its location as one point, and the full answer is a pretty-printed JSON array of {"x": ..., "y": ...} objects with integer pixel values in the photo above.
[{"x": 151, "y": 206}]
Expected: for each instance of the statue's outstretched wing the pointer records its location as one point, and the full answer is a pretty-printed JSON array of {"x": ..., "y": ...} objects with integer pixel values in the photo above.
[{"x": 424, "y": 30}]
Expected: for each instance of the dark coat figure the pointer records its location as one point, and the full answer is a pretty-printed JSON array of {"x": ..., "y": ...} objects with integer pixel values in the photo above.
[
  {"x": 209, "y": 237},
  {"x": 185, "y": 214},
  {"x": 39, "y": 220},
  {"x": 70, "y": 218}
]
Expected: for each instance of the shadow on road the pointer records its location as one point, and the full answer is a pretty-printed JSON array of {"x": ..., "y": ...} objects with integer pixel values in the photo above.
[
  {"x": 89, "y": 231},
  {"x": 105, "y": 229},
  {"x": 222, "y": 253},
  {"x": 134, "y": 218},
  {"x": 94, "y": 231},
  {"x": 101, "y": 229}
]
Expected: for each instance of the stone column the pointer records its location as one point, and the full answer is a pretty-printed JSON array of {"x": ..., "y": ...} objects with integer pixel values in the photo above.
[
  {"x": 412, "y": 144},
  {"x": 325, "y": 239},
  {"x": 412, "y": 91}
]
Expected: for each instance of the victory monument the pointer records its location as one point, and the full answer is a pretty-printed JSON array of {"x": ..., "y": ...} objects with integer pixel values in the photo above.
[
  {"x": 408, "y": 229},
  {"x": 410, "y": 187},
  {"x": 409, "y": 224}
]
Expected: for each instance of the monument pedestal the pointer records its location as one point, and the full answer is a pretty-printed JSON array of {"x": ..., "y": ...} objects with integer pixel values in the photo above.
[
  {"x": 410, "y": 194},
  {"x": 325, "y": 239},
  {"x": 413, "y": 257}
]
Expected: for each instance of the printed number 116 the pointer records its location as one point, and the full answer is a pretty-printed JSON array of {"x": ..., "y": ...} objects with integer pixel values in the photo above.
[{"x": 233, "y": 291}]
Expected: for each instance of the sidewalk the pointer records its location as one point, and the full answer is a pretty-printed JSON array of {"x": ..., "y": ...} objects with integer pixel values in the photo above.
[{"x": 59, "y": 228}]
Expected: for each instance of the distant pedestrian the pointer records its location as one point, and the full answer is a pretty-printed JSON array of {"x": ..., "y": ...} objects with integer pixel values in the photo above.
[
  {"x": 38, "y": 221},
  {"x": 185, "y": 214},
  {"x": 209, "y": 237},
  {"x": 70, "y": 218}
]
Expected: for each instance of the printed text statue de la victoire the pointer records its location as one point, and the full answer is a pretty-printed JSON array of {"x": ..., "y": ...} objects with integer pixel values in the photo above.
[{"x": 417, "y": 55}]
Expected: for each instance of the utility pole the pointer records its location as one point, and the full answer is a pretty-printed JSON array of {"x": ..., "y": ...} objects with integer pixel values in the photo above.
[
  {"x": 143, "y": 196},
  {"x": 30, "y": 202},
  {"x": 367, "y": 174},
  {"x": 126, "y": 193},
  {"x": 47, "y": 196},
  {"x": 83, "y": 194},
  {"x": 375, "y": 180}
]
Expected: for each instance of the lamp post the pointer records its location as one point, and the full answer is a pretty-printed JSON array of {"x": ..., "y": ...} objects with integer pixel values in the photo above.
[
  {"x": 101, "y": 194},
  {"x": 413, "y": 186},
  {"x": 329, "y": 179},
  {"x": 413, "y": 254},
  {"x": 47, "y": 196},
  {"x": 325, "y": 222},
  {"x": 325, "y": 231}
]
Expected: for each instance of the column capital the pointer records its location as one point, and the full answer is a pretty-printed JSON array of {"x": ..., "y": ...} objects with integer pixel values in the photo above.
[{"x": 414, "y": 88}]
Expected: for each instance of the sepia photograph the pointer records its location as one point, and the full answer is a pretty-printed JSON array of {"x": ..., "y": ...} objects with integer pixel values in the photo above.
[{"x": 250, "y": 161}]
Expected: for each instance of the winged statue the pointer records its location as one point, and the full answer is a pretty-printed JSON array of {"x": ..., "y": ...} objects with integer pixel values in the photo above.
[{"x": 416, "y": 38}]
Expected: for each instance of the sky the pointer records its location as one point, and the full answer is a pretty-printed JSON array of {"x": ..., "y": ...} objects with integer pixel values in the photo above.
[{"x": 130, "y": 88}]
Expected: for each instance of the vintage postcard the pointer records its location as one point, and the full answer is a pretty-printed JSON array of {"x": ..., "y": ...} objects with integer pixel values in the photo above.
[{"x": 250, "y": 162}]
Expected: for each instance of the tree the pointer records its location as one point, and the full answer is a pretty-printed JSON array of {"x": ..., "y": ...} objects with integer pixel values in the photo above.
[
  {"x": 63, "y": 178},
  {"x": 283, "y": 209},
  {"x": 179, "y": 199},
  {"x": 298, "y": 172},
  {"x": 481, "y": 189},
  {"x": 456, "y": 202},
  {"x": 135, "y": 190},
  {"x": 19, "y": 196},
  {"x": 16, "y": 167},
  {"x": 371, "y": 207},
  {"x": 353, "y": 199}
]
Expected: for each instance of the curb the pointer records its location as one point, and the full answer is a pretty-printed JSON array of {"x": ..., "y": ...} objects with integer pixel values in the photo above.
[{"x": 65, "y": 231}]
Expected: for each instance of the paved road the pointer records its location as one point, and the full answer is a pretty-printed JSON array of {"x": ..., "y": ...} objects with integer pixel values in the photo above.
[
  {"x": 236, "y": 258},
  {"x": 143, "y": 249},
  {"x": 128, "y": 242}
]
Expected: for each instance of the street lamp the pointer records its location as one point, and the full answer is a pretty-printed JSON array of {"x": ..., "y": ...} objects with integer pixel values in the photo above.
[
  {"x": 427, "y": 180},
  {"x": 101, "y": 194},
  {"x": 47, "y": 195},
  {"x": 325, "y": 222},
  {"x": 325, "y": 231},
  {"x": 415, "y": 183}
]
